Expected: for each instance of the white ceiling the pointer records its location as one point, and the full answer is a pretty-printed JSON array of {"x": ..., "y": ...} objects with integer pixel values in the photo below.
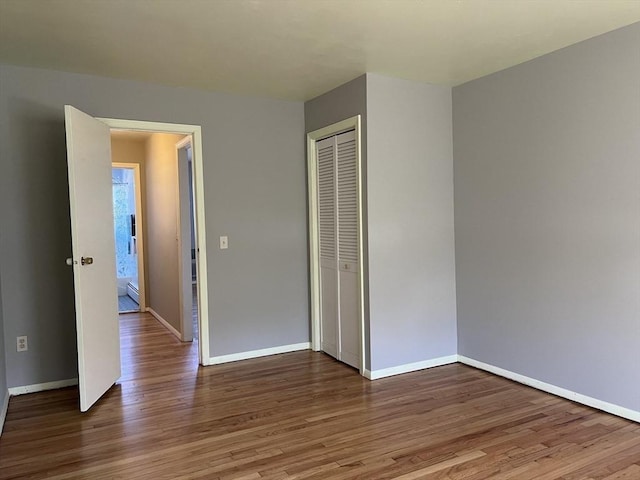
[{"x": 296, "y": 49}]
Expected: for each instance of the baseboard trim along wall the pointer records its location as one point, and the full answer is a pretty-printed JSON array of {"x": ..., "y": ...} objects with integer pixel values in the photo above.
[
  {"x": 234, "y": 357},
  {"x": 3, "y": 410},
  {"x": 41, "y": 387},
  {"x": 164, "y": 323},
  {"x": 371, "y": 375},
  {"x": 560, "y": 392},
  {"x": 410, "y": 367}
]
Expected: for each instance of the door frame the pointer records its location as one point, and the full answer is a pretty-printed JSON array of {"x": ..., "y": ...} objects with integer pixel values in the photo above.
[
  {"x": 198, "y": 180},
  {"x": 184, "y": 239},
  {"x": 139, "y": 231},
  {"x": 352, "y": 123}
]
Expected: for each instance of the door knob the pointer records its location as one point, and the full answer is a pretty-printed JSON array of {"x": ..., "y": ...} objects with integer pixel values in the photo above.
[
  {"x": 86, "y": 260},
  {"x": 70, "y": 261}
]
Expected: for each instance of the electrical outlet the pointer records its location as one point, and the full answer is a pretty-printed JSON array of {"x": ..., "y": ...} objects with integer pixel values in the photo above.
[
  {"x": 23, "y": 346},
  {"x": 224, "y": 243}
]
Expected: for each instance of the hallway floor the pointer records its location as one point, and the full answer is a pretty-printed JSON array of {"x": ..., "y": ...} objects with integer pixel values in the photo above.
[{"x": 127, "y": 304}]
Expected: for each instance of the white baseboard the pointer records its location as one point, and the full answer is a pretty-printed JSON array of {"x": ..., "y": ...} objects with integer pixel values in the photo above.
[
  {"x": 560, "y": 392},
  {"x": 3, "y": 410},
  {"x": 164, "y": 323},
  {"x": 410, "y": 367},
  {"x": 234, "y": 357},
  {"x": 41, "y": 387}
]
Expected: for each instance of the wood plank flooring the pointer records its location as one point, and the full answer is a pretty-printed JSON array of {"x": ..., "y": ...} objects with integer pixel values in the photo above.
[{"x": 304, "y": 415}]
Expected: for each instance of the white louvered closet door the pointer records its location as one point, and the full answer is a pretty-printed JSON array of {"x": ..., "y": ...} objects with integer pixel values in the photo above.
[
  {"x": 338, "y": 231},
  {"x": 348, "y": 332},
  {"x": 327, "y": 228}
]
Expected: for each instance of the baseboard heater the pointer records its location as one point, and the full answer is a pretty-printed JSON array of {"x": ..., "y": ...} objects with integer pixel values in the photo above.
[{"x": 133, "y": 292}]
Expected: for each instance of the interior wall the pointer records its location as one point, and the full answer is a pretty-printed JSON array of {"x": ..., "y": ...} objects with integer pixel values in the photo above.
[
  {"x": 547, "y": 208},
  {"x": 346, "y": 101},
  {"x": 255, "y": 184},
  {"x": 408, "y": 188},
  {"x": 4, "y": 392},
  {"x": 161, "y": 225},
  {"x": 412, "y": 293},
  {"x": 133, "y": 151}
]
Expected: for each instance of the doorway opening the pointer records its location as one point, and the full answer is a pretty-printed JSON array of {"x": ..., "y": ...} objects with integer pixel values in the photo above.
[
  {"x": 187, "y": 244},
  {"x": 125, "y": 180},
  {"x": 93, "y": 257},
  {"x": 155, "y": 232},
  {"x": 169, "y": 225}
]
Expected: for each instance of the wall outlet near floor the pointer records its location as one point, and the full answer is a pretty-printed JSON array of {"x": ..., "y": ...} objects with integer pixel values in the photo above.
[{"x": 23, "y": 346}]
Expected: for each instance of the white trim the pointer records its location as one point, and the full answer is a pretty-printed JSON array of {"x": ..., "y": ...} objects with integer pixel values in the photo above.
[
  {"x": 139, "y": 230},
  {"x": 145, "y": 126},
  {"x": 185, "y": 142},
  {"x": 3, "y": 410},
  {"x": 197, "y": 170},
  {"x": 183, "y": 222},
  {"x": 164, "y": 323},
  {"x": 314, "y": 251},
  {"x": 549, "y": 388},
  {"x": 41, "y": 387},
  {"x": 410, "y": 367},
  {"x": 198, "y": 179},
  {"x": 234, "y": 357}
]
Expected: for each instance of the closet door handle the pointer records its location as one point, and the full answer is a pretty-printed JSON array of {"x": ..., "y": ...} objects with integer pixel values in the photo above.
[{"x": 86, "y": 260}]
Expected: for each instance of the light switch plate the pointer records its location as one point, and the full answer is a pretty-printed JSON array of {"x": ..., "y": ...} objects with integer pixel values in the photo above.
[{"x": 224, "y": 242}]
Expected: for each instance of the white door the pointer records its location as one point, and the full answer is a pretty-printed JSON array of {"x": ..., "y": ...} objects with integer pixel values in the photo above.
[
  {"x": 339, "y": 264},
  {"x": 94, "y": 263},
  {"x": 347, "y": 175},
  {"x": 328, "y": 254}
]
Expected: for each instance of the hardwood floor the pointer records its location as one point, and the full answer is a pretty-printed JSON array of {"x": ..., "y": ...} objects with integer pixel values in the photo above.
[{"x": 304, "y": 415}]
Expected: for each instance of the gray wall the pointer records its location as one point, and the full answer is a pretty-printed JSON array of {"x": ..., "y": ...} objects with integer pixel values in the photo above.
[
  {"x": 412, "y": 293},
  {"x": 161, "y": 228},
  {"x": 547, "y": 208},
  {"x": 4, "y": 392},
  {"x": 408, "y": 189},
  {"x": 344, "y": 102},
  {"x": 255, "y": 187}
]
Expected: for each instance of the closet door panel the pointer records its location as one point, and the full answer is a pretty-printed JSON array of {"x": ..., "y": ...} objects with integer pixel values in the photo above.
[
  {"x": 347, "y": 173},
  {"x": 327, "y": 199},
  {"x": 328, "y": 246},
  {"x": 349, "y": 308},
  {"x": 329, "y": 311},
  {"x": 349, "y": 339}
]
